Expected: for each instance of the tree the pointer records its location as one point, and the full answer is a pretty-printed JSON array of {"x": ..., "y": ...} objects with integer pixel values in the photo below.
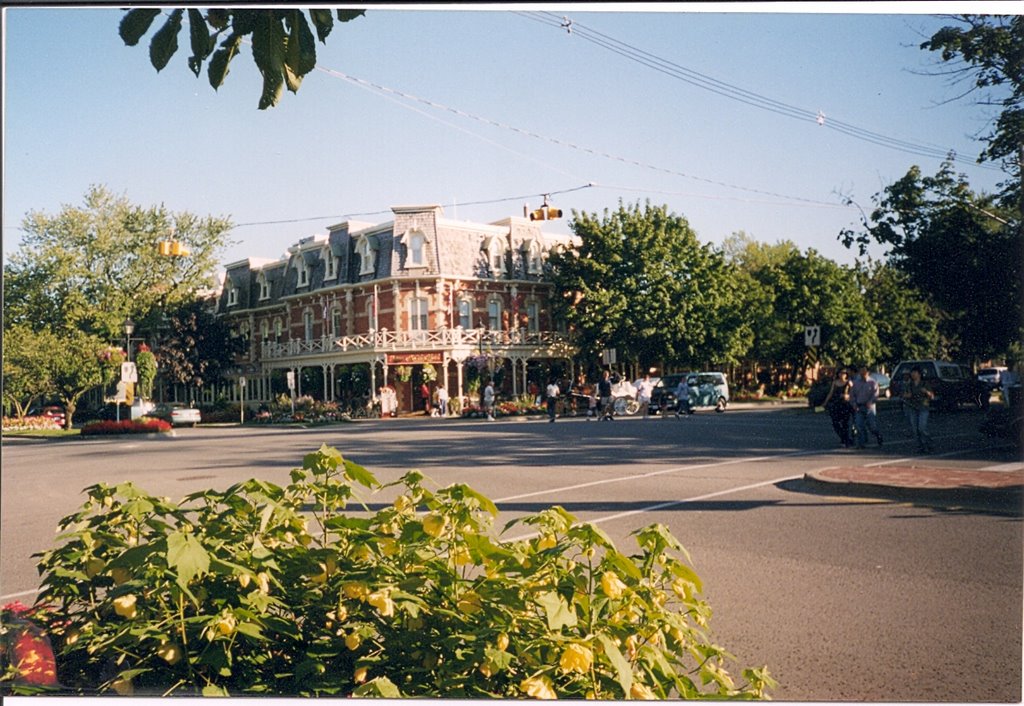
[
  {"x": 199, "y": 348},
  {"x": 641, "y": 282},
  {"x": 957, "y": 247},
  {"x": 78, "y": 362},
  {"x": 26, "y": 377},
  {"x": 88, "y": 268},
  {"x": 989, "y": 51},
  {"x": 907, "y": 325},
  {"x": 282, "y": 42}
]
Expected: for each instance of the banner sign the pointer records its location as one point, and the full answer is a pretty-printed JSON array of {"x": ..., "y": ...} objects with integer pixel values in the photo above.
[{"x": 414, "y": 358}]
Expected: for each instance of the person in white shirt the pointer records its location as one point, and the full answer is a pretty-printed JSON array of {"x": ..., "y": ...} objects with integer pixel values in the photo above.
[
  {"x": 552, "y": 393},
  {"x": 442, "y": 401},
  {"x": 644, "y": 389},
  {"x": 682, "y": 397},
  {"x": 489, "y": 401}
]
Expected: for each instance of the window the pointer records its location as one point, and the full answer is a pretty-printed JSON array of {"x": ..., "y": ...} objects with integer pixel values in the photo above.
[
  {"x": 495, "y": 255},
  {"x": 466, "y": 313},
  {"x": 335, "y": 322},
  {"x": 494, "y": 315},
  {"x": 264, "y": 286},
  {"x": 365, "y": 253},
  {"x": 330, "y": 264},
  {"x": 416, "y": 250},
  {"x": 264, "y": 330},
  {"x": 232, "y": 294},
  {"x": 418, "y": 310},
  {"x": 277, "y": 329},
  {"x": 532, "y": 316},
  {"x": 307, "y": 323},
  {"x": 533, "y": 258},
  {"x": 303, "y": 270}
]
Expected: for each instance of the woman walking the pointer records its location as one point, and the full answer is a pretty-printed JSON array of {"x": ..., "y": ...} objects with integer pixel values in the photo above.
[
  {"x": 837, "y": 404},
  {"x": 916, "y": 399}
]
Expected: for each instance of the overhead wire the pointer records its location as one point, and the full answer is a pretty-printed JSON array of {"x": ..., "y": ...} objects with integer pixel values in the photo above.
[{"x": 740, "y": 94}]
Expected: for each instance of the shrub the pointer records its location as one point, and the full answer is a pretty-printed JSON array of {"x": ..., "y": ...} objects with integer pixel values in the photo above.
[
  {"x": 238, "y": 592},
  {"x": 38, "y": 423},
  {"x": 145, "y": 425}
]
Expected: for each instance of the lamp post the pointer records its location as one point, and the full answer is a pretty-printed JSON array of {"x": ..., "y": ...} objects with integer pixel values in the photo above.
[{"x": 129, "y": 329}]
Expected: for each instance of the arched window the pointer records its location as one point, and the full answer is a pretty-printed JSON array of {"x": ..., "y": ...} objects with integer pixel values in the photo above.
[
  {"x": 495, "y": 248},
  {"x": 307, "y": 324},
  {"x": 303, "y": 270},
  {"x": 232, "y": 293},
  {"x": 277, "y": 329},
  {"x": 533, "y": 316},
  {"x": 466, "y": 313},
  {"x": 261, "y": 279},
  {"x": 264, "y": 330},
  {"x": 534, "y": 261},
  {"x": 415, "y": 249},
  {"x": 494, "y": 314},
  {"x": 335, "y": 322},
  {"x": 365, "y": 253},
  {"x": 330, "y": 263}
]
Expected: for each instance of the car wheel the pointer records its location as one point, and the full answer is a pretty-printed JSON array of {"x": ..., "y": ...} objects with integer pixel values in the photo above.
[
  {"x": 632, "y": 407},
  {"x": 720, "y": 405}
]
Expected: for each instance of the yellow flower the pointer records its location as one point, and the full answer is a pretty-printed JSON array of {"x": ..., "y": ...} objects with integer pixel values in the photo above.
[
  {"x": 170, "y": 652},
  {"x": 486, "y": 669},
  {"x": 352, "y": 641},
  {"x": 403, "y": 503},
  {"x": 682, "y": 588},
  {"x": 226, "y": 625},
  {"x": 576, "y": 658},
  {"x": 122, "y": 686},
  {"x": 612, "y": 585},
  {"x": 388, "y": 546},
  {"x": 435, "y": 525},
  {"x": 125, "y": 606},
  {"x": 546, "y": 542},
  {"x": 264, "y": 581},
  {"x": 381, "y": 600},
  {"x": 244, "y": 579},
  {"x": 356, "y": 589},
  {"x": 342, "y": 612},
  {"x": 641, "y": 691},
  {"x": 502, "y": 642},
  {"x": 359, "y": 676},
  {"x": 538, "y": 688}
]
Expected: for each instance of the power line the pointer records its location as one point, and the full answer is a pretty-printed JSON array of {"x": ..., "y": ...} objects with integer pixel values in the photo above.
[{"x": 739, "y": 94}]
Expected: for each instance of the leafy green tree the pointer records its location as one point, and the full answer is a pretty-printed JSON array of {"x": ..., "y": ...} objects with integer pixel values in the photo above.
[
  {"x": 282, "y": 41},
  {"x": 78, "y": 362},
  {"x": 26, "y": 376},
  {"x": 988, "y": 50},
  {"x": 641, "y": 282},
  {"x": 959, "y": 248},
  {"x": 88, "y": 268},
  {"x": 907, "y": 325},
  {"x": 199, "y": 347},
  {"x": 145, "y": 363}
]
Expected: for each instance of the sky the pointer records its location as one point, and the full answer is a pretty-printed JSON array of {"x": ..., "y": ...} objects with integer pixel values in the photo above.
[{"x": 485, "y": 110}]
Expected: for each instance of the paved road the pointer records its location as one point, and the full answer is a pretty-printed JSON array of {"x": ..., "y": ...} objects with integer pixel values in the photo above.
[{"x": 844, "y": 597}]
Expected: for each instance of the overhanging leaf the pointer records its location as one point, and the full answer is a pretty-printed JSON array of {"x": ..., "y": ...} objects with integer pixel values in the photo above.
[
  {"x": 165, "y": 41},
  {"x": 219, "y": 62},
  {"x": 136, "y": 23},
  {"x": 202, "y": 42},
  {"x": 556, "y": 610},
  {"x": 623, "y": 672}
]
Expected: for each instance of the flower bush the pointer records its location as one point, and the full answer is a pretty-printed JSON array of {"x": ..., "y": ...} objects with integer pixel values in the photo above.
[
  {"x": 145, "y": 425},
  {"x": 38, "y": 423},
  {"x": 268, "y": 590}
]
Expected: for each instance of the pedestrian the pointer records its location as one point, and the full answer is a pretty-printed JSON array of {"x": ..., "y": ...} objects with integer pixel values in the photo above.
[
  {"x": 425, "y": 397},
  {"x": 604, "y": 393},
  {"x": 917, "y": 397},
  {"x": 837, "y": 404},
  {"x": 552, "y": 395},
  {"x": 863, "y": 396},
  {"x": 442, "y": 401},
  {"x": 644, "y": 389},
  {"x": 682, "y": 396},
  {"x": 489, "y": 400}
]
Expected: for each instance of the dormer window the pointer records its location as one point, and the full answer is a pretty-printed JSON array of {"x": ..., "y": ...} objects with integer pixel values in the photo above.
[
  {"x": 330, "y": 264},
  {"x": 303, "y": 270},
  {"x": 365, "y": 253},
  {"x": 495, "y": 249},
  {"x": 534, "y": 261},
  {"x": 264, "y": 286},
  {"x": 232, "y": 294},
  {"x": 416, "y": 244}
]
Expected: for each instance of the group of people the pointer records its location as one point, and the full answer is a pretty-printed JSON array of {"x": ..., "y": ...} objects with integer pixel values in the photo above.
[{"x": 851, "y": 407}]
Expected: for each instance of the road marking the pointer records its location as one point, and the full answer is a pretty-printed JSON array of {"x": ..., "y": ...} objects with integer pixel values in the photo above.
[
  {"x": 1004, "y": 467},
  {"x": 20, "y": 594}
]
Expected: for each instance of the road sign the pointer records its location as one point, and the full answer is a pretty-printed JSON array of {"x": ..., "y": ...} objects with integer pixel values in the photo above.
[
  {"x": 129, "y": 373},
  {"x": 609, "y": 357},
  {"x": 812, "y": 336}
]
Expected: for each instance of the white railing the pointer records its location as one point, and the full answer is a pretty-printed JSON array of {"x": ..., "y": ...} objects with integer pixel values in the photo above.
[{"x": 438, "y": 339}]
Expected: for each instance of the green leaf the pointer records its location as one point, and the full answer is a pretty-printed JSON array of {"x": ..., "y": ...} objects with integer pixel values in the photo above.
[
  {"x": 136, "y": 23},
  {"x": 358, "y": 474},
  {"x": 186, "y": 556},
  {"x": 556, "y": 610},
  {"x": 301, "y": 54},
  {"x": 485, "y": 502},
  {"x": 323, "y": 21},
  {"x": 219, "y": 62},
  {"x": 349, "y": 15},
  {"x": 381, "y": 686},
  {"x": 252, "y": 630},
  {"x": 268, "y": 48},
  {"x": 685, "y": 572},
  {"x": 623, "y": 672},
  {"x": 165, "y": 41},
  {"x": 202, "y": 42},
  {"x": 214, "y": 690},
  {"x": 623, "y": 562}
]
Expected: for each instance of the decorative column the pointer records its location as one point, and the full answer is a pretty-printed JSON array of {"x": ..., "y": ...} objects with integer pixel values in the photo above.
[{"x": 324, "y": 367}]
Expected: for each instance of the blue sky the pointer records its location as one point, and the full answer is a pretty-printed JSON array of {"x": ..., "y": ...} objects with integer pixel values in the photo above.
[{"x": 80, "y": 108}]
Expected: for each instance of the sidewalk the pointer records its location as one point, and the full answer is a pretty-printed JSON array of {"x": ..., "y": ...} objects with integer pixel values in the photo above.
[{"x": 1005, "y": 482}]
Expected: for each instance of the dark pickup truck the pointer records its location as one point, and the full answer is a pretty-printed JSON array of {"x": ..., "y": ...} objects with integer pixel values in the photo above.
[{"x": 953, "y": 384}]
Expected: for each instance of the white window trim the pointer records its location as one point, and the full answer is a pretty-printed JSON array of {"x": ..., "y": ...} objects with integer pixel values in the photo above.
[
  {"x": 534, "y": 258},
  {"x": 330, "y": 264},
  {"x": 533, "y": 322},
  {"x": 496, "y": 326},
  {"x": 496, "y": 253},
  {"x": 469, "y": 314},
  {"x": 264, "y": 286},
  {"x": 365, "y": 253},
  {"x": 415, "y": 316},
  {"x": 308, "y": 322},
  {"x": 409, "y": 239},
  {"x": 303, "y": 269},
  {"x": 232, "y": 295}
]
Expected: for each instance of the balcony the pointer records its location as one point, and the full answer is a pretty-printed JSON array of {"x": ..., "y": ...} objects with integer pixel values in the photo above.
[{"x": 458, "y": 342}]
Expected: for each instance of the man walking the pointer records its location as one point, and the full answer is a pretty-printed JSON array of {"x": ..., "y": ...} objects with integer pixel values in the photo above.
[
  {"x": 604, "y": 393},
  {"x": 489, "y": 400},
  {"x": 552, "y": 394},
  {"x": 863, "y": 396},
  {"x": 644, "y": 389}
]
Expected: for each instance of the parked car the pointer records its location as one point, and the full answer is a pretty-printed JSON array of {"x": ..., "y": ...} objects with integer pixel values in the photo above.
[
  {"x": 707, "y": 390},
  {"x": 52, "y": 411},
  {"x": 176, "y": 414},
  {"x": 993, "y": 377},
  {"x": 952, "y": 383}
]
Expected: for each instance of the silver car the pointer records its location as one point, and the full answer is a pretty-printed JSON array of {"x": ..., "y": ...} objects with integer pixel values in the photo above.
[{"x": 176, "y": 414}]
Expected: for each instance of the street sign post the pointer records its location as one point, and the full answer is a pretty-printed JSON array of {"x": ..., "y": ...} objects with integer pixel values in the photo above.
[
  {"x": 812, "y": 336},
  {"x": 129, "y": 373}
]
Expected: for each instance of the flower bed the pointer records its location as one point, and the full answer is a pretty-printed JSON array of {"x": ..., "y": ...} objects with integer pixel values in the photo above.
[
  {"x": 240, "y": 592},
  {"x": 146, "y": 425},
  {"x": 30, "y": 424}
]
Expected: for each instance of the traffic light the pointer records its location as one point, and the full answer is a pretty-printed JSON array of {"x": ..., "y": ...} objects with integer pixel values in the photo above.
[
  {"x": 537, "y": 215},
  {"x": 179, "y": 250},
  {"x": 554, "y": 213},
  {"x": 164, "y": 247}
]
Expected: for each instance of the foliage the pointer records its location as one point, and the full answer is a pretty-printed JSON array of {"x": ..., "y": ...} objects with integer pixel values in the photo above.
[
  {"x": 282, "y": 41},
  {"x": 953, "y": 245},
  {"x": 23, "y": 423},
  {"x": 403, "y": 373},
  {"x": 199, "y": 347},
  {"x": 26, "y": 373},
  {"x": 990, "y": 50},
  {"x": 88, "y": 268},
  {"x": 145, "y": 363},
  {"x": 429, "y": 373},
  {"x": 238, "y": 592},
  {"x": 145, "y": 425},
  {"x": 642, "y": 283},
  {"x": 907, "y": 325},
  {"x": 77, "y": 363}
]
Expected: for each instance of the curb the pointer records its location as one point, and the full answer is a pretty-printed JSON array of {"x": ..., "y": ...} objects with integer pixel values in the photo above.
[{"x": 1000, "y": 489}]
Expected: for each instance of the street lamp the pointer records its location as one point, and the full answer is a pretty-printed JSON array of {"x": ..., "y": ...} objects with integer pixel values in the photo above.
[{"x": 129, "y": 329}]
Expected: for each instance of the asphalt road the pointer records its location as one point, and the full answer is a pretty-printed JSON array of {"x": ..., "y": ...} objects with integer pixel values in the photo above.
[{"x": 844, "y": 598}]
